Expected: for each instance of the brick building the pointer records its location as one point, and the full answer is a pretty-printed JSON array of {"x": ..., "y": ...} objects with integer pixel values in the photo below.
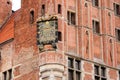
[{"x": 60, "y": 40}]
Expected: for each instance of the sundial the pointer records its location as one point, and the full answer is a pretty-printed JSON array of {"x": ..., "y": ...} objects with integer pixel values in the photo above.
[{"x": 47, "y": 32}]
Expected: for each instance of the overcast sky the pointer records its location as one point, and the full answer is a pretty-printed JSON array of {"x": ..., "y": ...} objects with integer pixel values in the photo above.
[{"x": 16, "y": 4}]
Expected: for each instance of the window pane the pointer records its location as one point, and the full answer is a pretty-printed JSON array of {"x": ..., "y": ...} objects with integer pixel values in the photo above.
[
  {"x": 59, "y": 36},
  {"x": 96, "y": 69},
  {"x": 97, "y": 27},
  {"x": 97, "y": 78},
  {"x": 73, "y": 18},
  {"x": 77, "y": 75},
  {"x": 93, "y": 24},
  {"x": 68, "y": 17},
  {"x": 96, "y": 2},
  {"x": 10, "y": 74},
  {"x": 118, "y": 9},
  {"x": 103, "y": 71},
  {"x": 77, "y": 64},
  {"x": 31, "y": 16},
  {"x": 59, "y": 8},
  {"x": 70, "y": 75},
  {"x": 70, "y": 62},
  {"x": 117, "y": 31},
  {"x": 5, "y": 75},
  {"x": 43, "y": 9},
  {"x": 103, "y": 79}
]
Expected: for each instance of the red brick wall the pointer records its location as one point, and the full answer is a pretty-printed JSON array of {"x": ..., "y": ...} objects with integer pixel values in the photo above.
[{"x": 5, "y": 10}]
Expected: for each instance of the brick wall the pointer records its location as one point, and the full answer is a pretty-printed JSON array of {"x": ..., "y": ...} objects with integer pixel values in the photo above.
[{"x": 78, "y": 40}]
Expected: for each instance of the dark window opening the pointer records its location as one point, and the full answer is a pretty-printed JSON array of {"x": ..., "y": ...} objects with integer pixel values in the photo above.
[
  {"x": 31, "y": 17},
  {"x": 96, "y": 70},
  {"x": 77, "y": 75},
  {"x": 8, "y": 2},
  {"x": 103, "y": 79},
  {"x": 117, "y": 31},
  {"x": 5, "y": 75},
  {"x": 96, "y": 26},
  {"x": 74, "y": 72},
  {"x": 70, "y": 62},
  {"x": 71, "y": 18},
  {"x": 68, "y": 17},
  {"x": 97, "y": 78},
  {"x": 59, "y": 36},
  {"x": 43, "y": 10},
  {"x": 77, "y": 64},
  {"x": 95, "y": 3},
  {"x": 100, "y": 73},
  {"x": 10, "y": 74},
  {"x": 103, "y": 70},
  {"x": 116, "y": 9},
  {"x": 70, "y": 75},
  {"x": 59, "y": 9}
]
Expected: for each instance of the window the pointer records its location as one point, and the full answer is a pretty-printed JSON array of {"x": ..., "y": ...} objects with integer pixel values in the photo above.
[
  {"x": 59, "y": 9},
  {"x": 117, "y": 33},
  {"x": 95, "y": 3},
  {"x": 71, "y": 17},
  {"x": 73, "y": 69},
  {"x": 59, "y": 36},
  {"x": 8, "y": 2},
  {"x": 100, "y": 72},
  {"x": 7, "y": 75},
  {"x": 43, "y": 10},
  {"x": 10, "y": 74},
  {"x": 31, "y": 17},
  {"x": 116, "y": 9},
  {"x": 96, "y": 26}
]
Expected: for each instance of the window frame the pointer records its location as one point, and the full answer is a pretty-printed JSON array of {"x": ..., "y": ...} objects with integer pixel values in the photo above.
[
  {"x": 99, "y": 75},
  {"x": 117, "y": 34},
  {"x": 59, "y": 34},
  {"x": 74, "y": 69},
  {"x": 32, "y": 16},
  {"x": 59, "y": 9},
  {"x": 7, "y": 75},
  {"x": 95, "y": 4},
  {"x": 71, "y": 17},
  {"x": 43, "y": 9},
  {"x": 96, "y": 26},
  {"x": 117, "y": 13}
]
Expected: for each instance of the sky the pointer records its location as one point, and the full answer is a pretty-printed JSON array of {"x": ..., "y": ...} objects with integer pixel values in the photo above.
[{"x": 16, "y": 4}]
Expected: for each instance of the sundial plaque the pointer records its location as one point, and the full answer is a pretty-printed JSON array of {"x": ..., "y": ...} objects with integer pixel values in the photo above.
[{"x": 47, "y": 32}]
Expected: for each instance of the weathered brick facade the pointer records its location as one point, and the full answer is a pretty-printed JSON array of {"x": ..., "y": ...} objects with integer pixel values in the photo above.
[{"x": 20, "y": 51}]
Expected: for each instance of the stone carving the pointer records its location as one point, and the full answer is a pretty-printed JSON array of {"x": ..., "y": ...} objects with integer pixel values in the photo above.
[
  {"x": 47, "y": 32},
  {"x": 51, "y": 58}
]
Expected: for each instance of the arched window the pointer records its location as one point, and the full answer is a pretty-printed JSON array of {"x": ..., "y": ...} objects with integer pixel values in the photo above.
[{"x": 32, "y": 17}]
